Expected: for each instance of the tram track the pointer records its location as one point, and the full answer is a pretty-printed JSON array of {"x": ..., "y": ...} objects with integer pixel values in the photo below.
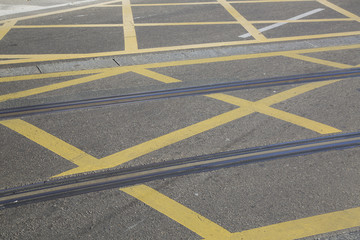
[
  {"x": 178, "y": 92},
  {"x": 85, "y": 183}
]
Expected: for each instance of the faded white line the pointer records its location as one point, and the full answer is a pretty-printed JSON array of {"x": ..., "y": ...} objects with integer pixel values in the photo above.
[
  {"x": 6, "y": 9},
  {"x": 275, "y": 25}
]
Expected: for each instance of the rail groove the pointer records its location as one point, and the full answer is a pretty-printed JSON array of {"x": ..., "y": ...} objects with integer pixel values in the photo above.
[
  {"x": 58, "y": 188},
  {"x": 179, "y": 92}
]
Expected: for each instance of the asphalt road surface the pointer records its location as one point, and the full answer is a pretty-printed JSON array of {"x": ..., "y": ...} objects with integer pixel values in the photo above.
[{"x": 180, "y": 119}]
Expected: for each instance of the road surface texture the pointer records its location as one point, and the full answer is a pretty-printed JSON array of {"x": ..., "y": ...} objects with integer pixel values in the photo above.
[{"x": 180, "y": 119}]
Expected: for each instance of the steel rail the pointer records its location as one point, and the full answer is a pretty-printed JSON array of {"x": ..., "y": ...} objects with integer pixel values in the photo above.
[
  {"x": 63, "y": 187},
  {"x": 179, "y": 92}
]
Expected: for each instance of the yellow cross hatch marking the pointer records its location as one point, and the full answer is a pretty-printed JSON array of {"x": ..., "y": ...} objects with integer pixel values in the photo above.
[
  {"x": 178, "y": 212},
  {"x": 282, "y": 115},
  {"x": 340, "y": 10},
  {"x": 243, "y": 21},
  {"x": 61, "y": 85},
  {"x": 4, "y": 29}
]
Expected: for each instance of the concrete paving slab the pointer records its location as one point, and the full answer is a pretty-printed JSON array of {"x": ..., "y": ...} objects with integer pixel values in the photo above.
[
  {"x": 17, "y": 71},
  {"x": 92, "y": 63}
]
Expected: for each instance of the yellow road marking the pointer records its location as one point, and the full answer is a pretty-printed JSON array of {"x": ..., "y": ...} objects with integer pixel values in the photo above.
[
  {"x": 304, "y": 227},
  {"x": 69, "y": 26},
  {"x": 207, "y": 3},
  {"x": 51, "y": 75},
  {"x": 318, "y": 61},
  {"x": 290, "y": 93},
  {"x": 56, "y": 86},
  {"x": 315, "y": 36},
  {"x": 246, "y": 56},
  {"x": 6, "y": 27},
  {"x": 205, "y": 228},
  {"x": 50, "y": 142},
  {"x": 340, "y": 10},
  {"x": 163, "y": 141},
  {"x": 182, "y": 23},
  {"x": 110, "y": 6},
  {"x": 129, "y": 28},
  {"x": 190, "y": 131},
  {"x": 282, "y": 115},
  {"x": 243, "y": 21},
  {"x": 154, "y": 75},
  {"x": 50, "y": 57},
  {"x": 178, "y": 212},
  {"x": 190, "y": 62}
]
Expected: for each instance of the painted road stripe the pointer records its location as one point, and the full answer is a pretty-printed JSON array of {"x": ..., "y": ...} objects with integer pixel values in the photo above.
[
  {"x": 243, "y": 21},
  {"x": 178, "y": 212},
  {"x": 304, "y": 227},
  {"x": 276, "y": 113},
  {"x": 177, "y": 92},
  {"x": 57, "y": 86},
  {"x": 4, "y": 29},
  {"x": 318, "y": 61},
  {"x": 51, "y": 57},
  {"x": 340, "y": 10},
  {"x": 155, "y": 144},
  {"x": 131, "y": 176},
  {"x": 129, "y": 28},
  {"x": 275, "y": 25}
]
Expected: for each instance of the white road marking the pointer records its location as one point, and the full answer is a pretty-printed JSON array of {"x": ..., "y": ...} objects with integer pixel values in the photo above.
[
  {"x": 275, "y": 25},
  {"x": 6, "y": 9}
]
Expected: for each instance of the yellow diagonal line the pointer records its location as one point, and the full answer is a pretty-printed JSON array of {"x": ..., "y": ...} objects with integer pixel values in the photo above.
[
  {"x": 4, "y": 29},
  {"x": 290, "y": 93},
  {"x": 162, "y": 141},
  {"x": 206, "y": 228},
  {"x": 192, "y": 130},
  {"x": 50, "y": 142},
  {"x": 61, "y": 85},
  {"x": 49, "y": 75},
  {"x": 282, "y": 115},
  {"x": 181, "y": 214},
  {"x": 131, "y": 44},
  {"x": 318, "y": 61},
  {"x": 243, "y": 21},
  {"x": 304, "y": 227},
  {"x": 154, "y": 75},
  {"x": 340, "y": 10},
  {"x": 49, "y": 57}
]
